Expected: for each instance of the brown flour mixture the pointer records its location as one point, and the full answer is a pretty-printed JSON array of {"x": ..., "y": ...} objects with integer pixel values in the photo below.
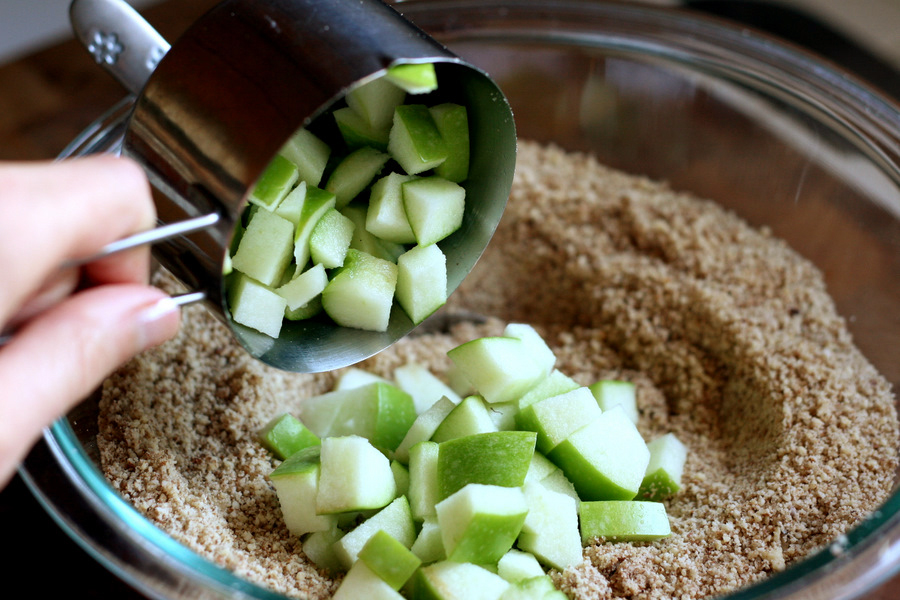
[{"x": 730, "y": 336}]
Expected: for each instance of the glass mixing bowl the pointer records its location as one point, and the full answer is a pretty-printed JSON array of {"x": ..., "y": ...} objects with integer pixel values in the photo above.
[{"x": 781, "y": 138}]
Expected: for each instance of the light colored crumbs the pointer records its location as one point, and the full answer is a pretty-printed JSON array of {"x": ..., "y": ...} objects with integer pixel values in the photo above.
[{"x": 730, "y": 336}]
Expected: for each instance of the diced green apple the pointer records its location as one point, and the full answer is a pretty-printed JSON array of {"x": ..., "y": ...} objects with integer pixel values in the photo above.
[
  {"x": 401, "y": 477},
  {"x": 330, "y": 239},
  {"x": 361, "y": 294},
  {"x": 535, "y": 588},
  {"x": 296, "y": 484},
  {"x": 303, "y": 288},
  {"x": 499, "y": 458},
  {"x": 663, "y": 477},
  {"x": 624, "y": 521},
  {"x": 554, "y": 384},
  {"x": 354, "y": 173},
  {"x": 365, "y": 241},
  {"x": 425, "y": 387},
  {"x": 317, "y": 203},
  {"x": 354, "y": 475},
  {"x": 415, "y": 142},
  {"x": 503, "y": 414},
  {"x": 395, "y": 519},
  {"x": 359, "y": 133},
  {"x": 606, "y": 459},
  {"x": 479, "y": 523},
  {"x": 309, "y": 154},
  {"x": 550, "y": 530},
  {"x": 266, "y": 248},
  {"x": 255, "y": 305},
  {"x": 415, "y": 78},
  {"x": 290, "y": 208},
  {"x": 390, "y": 559},
  {"x": 434, "y": 206},
  {"x": 469, "y": 417},
  {"x": 307, "y": 311},
  {"x": 319, "y": 548},
  {"x": 423, "y": 427},
  {"x": 555, "y": 418},
  {"x": 610, "y": 392},
  {"x": 354, "y": 377},
  {"x": 277, "y": 179},
  {"x": 429, "y": 546},
  {"x": 447, "y": 580},
  {"x": 421, "y": 281},
  {"x": 542, "y": 354},
  {"x": 375, "y": 102},
  {"x": 379, "y": 412},
  {"x": 361, "y": 582},
  {"x": 285, "y": 434},
  {"x": 424, "y": 493},
  {"x": 517, "y": 565},
  {"x": 500, "y": 368},
  {"x": 453, "y": 124},
  {"x": 386, "y": 217}
]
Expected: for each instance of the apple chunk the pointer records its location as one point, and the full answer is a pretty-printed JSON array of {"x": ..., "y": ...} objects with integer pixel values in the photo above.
[
  {"x": 626, "y": 521},
  {"x": 354, "y": 476},
  {"x": 498, "y": 458},
  {"x": 296, "y": 484},
  {"x": 663, "y": 476},
  {"x": 480, "y": 523},
  {"x": 606, "y": 459},
  {"x": 446, "y": 580},
  {"x": 500, "y": 368}
]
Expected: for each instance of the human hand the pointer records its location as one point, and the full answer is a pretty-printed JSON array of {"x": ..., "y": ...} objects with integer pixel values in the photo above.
[{"x": 69, "y": 338}]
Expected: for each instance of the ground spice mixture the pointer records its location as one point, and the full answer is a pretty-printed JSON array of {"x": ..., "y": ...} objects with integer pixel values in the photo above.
[{"x": 731, "y": 338}]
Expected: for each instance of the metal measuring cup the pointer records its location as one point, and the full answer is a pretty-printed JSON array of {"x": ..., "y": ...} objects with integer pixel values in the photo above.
[{"x": 215, "y": 108}]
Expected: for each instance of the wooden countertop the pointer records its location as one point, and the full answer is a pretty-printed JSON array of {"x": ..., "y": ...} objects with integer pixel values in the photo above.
[{"x": 46, "y": 100}]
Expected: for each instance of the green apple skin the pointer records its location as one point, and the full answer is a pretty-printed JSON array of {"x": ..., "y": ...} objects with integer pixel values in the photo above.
[
  {"x": 415, "y": 78},
  {"x": 273, "y": 185},
  {"x": 480, "y": 523},
  {"x": 447, "y": 580},
  {"x": 415, "y": 142},
  {"x": 285, "y": 434},
  {"x": 388, "y": 558},
  {"x": 453, "y": 124},
  {"x": 663, "y": 477},
  {"x": 606, "y": 459},
  {"x": 625, "y": 521},
  {"x": 357, "y": 132},
  {"x": 539, "y": 587},
  {"x": 498, "y": 458}
]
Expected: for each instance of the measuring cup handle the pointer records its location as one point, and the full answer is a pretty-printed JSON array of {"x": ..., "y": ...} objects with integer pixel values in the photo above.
[{"x": 119, "y": 38}]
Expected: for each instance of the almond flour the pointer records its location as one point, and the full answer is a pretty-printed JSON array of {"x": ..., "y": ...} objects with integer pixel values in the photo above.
[{"x": 730, "y": 336}]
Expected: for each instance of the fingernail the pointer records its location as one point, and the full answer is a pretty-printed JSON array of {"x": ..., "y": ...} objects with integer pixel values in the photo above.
[{"x": 158, "y": 322}]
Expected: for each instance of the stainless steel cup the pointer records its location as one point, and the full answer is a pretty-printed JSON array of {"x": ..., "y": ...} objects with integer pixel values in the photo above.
[{"x": 230, "y": 92}]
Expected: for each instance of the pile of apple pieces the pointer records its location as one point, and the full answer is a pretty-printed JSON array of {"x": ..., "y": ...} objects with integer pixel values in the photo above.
[
  {"x": 367, "y": 237},
  {"x": 421, "y": 489}
]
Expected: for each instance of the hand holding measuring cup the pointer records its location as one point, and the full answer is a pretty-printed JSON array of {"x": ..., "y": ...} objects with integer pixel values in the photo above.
[{"x": 73, "y": 326}]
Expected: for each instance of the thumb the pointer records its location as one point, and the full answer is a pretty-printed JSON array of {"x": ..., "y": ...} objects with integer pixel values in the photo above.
[{"x": 61, "y": 356}]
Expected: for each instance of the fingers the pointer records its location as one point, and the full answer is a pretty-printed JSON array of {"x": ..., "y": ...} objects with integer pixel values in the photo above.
[
  {"x": 61, "y": 356},
  {"x": 68, "y": 210}
]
